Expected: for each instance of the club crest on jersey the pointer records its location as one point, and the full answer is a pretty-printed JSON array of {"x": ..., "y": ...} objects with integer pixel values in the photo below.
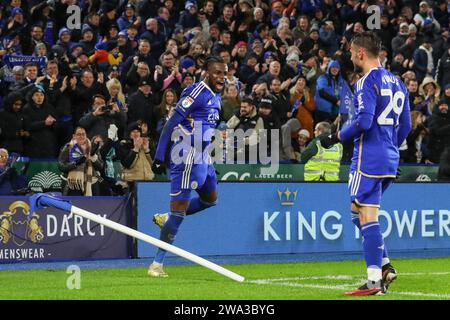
[{"x": 187, "y": 102}]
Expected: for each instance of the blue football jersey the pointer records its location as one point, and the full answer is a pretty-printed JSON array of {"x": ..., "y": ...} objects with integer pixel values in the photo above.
[
  {"x": 198, "y": 103},
  {"x": 384, "y": 96}
]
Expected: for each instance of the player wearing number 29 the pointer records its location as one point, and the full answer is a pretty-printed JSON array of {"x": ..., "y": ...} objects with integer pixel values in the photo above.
[{"x": 380, "y": 125}]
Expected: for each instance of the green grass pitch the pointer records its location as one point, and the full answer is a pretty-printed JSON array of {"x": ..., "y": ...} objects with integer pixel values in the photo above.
[{"x": 418, "y": 279}]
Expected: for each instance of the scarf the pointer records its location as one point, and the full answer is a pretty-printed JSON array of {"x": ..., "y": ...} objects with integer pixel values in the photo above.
[{"x": 80, "y": 178}]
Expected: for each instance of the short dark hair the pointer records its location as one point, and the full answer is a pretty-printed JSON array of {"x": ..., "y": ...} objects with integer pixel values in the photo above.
[
  {"x": 98, "y": 96},
  {"x": 211, "y": 60},
  {"x": 248, "y": 100},
  {"x": 31, "y": 64},
  {"x": 369, "y": 41},
  {"x": 275, "y": 78}
]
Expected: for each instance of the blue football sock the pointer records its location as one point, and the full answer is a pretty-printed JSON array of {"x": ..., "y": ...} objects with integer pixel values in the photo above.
[
  {"x": 197, "y": 204},
  {"x": 168, "y": 233},
  {"x": 373, "y": 249},
  {"x": 356, "y": 222}
]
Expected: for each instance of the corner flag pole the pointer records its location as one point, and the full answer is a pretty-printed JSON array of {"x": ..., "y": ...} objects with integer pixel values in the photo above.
[{"x": 42, "y": 200}]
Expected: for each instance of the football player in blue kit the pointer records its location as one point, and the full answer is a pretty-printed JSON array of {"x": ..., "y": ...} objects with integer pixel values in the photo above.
[
  {"x": 197, "y": 109},
  {"x": 380, "y": 125}
]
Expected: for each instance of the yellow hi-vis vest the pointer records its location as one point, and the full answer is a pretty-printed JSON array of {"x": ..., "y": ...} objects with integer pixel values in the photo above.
[{"x": 325, "y": 164}]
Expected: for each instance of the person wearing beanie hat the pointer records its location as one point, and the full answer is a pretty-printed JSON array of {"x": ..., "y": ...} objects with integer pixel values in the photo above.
[
  {"x": 187, "y": 79},
  {"x": 188, "y": 64},
  {"x": 40, "y": 50},
  {"x": 140, "y": 102},
  {"x": 42, "y": 142},
  {"x": 62, "y": 31},
  {"x": 16, "y": 11},
  {"x": 128, "y": 17},
  {"x": 447, "y": 92},
  {"x": 11, "y": 123},
  {"x": 87, "y": 39},
  {"x": 293, "y": 57},
  {"x": 303, "y": 137},
  {"x": 64, "y": 39}
]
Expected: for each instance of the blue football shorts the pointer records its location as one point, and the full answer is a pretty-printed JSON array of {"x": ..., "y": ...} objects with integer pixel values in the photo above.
[
  {"x": 192, "y": 174},
  {"x": 365, "y": 191}
]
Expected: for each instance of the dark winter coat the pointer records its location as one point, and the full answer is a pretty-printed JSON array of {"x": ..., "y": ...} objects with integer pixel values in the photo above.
[
  {"x": 439, "y": 134},
  {"x": 42, "y": 142},
  {"x": 10, "y": 125}
]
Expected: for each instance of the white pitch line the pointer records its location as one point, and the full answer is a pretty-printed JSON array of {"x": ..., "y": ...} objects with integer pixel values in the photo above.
[
  {"x": 293, "y": 284},
  {"x": 282, "y": 282},
  {"x": 423, "y": 294}
]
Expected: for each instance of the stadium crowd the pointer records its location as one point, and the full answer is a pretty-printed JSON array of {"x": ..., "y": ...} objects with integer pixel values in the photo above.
[{"x": 102, "y": 92}]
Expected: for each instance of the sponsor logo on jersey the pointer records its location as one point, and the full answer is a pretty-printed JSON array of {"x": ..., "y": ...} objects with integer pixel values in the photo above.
[{"x": 187, "y": 102}]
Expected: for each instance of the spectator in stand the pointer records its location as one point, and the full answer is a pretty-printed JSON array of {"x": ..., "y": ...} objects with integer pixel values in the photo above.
[
  {"x": 83, "y": 91},
  {"x": 128, "y": 18},
  {"x": 141, "y": 104},
  {"x": 168, "y": 102},
  {"x": 271, "y": 124},
  {"x": 169, "y": 74},
  {"x": 311, "y": 70},
  {"x": 439, "y": 126},
  {"x": 303, "y": 101},
  {"x": 329, "y": 87},
  {"x": 143, "y": 54},
  {"x": 137, "y": 71},
  {"x": 425, "y": 20},
  {"x": 224, "y": 44},
  {"x": 399, "y": 42},
  {"x": 443, "y": 69},
  {"x": 329, "y": 38},
  {"x": 115, "y": 92},
  {"x": 189, "y": 19},
  {"x": 162, "y": 121},
  {"x": 88, "y": 39},
  {"x": 416, "y": 140},
  {"x": 231, "y": 101},
  {"x": 246, "y": 118},
  {"x": 416, "y": 101},
  {"x": 155, "y": 36},
  {"x": 226, "y": 20},
  {"x": 301, "y": 31},
  {"x": 12, "y": 133},
  {"x": 431, "y": 91},
  {"x": 81, "y": 166},
  {"x": 302, "y": 141},
  {"x": 400, "y": 65},
  {"x": 104, "y": 114},
  {"x": 423, "y": 60},
  {"x": 39, "y": 120},
  {"x": 134, "y": 154},
  {"x": 10, "y": 180}
]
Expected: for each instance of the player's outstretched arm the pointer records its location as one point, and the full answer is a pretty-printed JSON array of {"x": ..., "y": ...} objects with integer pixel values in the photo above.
[{"x": 166, "y": 135}]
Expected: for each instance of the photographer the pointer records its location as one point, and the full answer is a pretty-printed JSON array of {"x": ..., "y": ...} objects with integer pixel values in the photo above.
[
  {"x": 80, "y": 164},
  {"x": 134, "y": 153},
  {"x": 10, "y": 180},
  {"x": 103, "y": 115}
]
